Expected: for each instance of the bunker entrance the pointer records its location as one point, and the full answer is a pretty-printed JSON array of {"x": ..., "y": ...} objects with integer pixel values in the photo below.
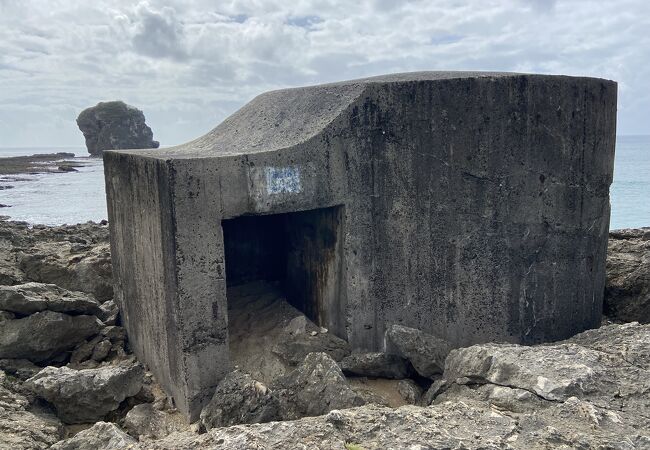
[{"x": 279, "y": 267}]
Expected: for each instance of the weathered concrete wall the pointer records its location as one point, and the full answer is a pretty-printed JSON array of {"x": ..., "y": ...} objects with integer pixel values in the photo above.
[
  {"x": 144, "y": 270},
  {"x": 474, "y": 207}
]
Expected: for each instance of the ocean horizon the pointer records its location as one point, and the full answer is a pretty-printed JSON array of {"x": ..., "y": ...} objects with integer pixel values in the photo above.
[{"x": 68, "y": 198}]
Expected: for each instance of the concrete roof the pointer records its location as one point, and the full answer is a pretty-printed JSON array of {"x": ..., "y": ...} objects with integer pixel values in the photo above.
[{"x": 286, "y": 117}]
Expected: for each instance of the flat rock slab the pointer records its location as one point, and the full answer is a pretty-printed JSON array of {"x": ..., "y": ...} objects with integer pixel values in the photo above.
[
  {"x": 579, "y": 367},
  {"x": 295, "y": 348},
  {"x": 33, "y": 297},
  {"x": 376, "y": 364},
  {"x": 43, "y": 335}
]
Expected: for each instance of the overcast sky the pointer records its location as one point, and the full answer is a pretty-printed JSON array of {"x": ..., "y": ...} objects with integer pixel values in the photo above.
[{"x": 189, "y": 64}]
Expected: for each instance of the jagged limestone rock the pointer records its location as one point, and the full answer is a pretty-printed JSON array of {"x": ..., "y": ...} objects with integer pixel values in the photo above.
[
  {"x": 240, "y": 399},
  {"x": 591, "y": 391},
  {"x": 315, "y": 387},
  {"x": 146, "y": 422},
  {"x": 410, "y": 391},
  {"x": 23, "y": 427},
  {"x": 556, "y": 372},
  {"x": 296, "y": 347},
  {"x": 376, "y": 364},
  {"x": 87, "y": 395},
  {"x": 43, "y": 335},
  {"x": 101, "y": 436},
  {"x": 33, "y": 297},
  {"x": 58, "y": 263},
  {"x": 114, "y": 125},
  {"x": 425, "y": 352},
  {"x": 22, "y": 369}
]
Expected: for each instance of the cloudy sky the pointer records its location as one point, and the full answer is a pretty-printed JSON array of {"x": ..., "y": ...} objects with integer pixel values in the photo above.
[{"x": 189, "y": 64}]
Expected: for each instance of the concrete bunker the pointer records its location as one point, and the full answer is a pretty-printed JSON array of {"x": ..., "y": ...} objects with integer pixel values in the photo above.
[
  {"x": 472, "y": 206},
  {"x": 298, "y": 253}
]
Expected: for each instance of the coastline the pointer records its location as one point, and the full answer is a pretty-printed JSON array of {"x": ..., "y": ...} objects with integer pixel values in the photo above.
[{"x": 628, "y": 192}]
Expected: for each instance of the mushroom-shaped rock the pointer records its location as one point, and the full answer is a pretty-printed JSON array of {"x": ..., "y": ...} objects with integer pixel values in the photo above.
[{"x": 114, "y": 125}]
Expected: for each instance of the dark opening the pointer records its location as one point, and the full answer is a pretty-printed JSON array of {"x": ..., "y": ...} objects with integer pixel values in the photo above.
[{"x": 300, "y": 253}]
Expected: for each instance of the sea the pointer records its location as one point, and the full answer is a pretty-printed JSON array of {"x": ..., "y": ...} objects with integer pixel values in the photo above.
[{"x": 76, "y": 197}]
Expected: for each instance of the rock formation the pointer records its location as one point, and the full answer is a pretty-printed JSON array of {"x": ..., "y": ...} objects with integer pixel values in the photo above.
[
  {"x": 376, "y": 364},
  {"x": 114, "y": 125},
  {"x": 87, "y": 395},
  {"x": 102, "y": 435},
  {"x": 43, "y": 335},
  {"x": 314, "y": 388},
  {"x": 240, "y": 399},
  {"x": 425, "y": 352}
]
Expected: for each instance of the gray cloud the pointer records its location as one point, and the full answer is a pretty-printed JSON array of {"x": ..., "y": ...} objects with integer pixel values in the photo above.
[
  {"x": 159, "y": 33},
  {"x": 188, "y": 64}
]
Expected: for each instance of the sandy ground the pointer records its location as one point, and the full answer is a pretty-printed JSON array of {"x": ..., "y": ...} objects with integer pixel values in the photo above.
[{"x": 260, "y": 318}]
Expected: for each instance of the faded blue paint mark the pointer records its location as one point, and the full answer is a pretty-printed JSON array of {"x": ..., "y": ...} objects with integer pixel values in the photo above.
[{"x": 281, "y": 180}]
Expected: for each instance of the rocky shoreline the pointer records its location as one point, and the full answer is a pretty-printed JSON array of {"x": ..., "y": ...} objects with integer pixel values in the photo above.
[
  {"x": 40, "y": 163},
  {"x": 68, "y": 379},
  {"x": 19, "y": 169}
]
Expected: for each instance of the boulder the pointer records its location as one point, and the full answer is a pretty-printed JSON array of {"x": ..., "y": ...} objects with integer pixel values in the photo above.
[
  {"x": 552, "y": 372},
  {"x": 505, "y": 398},
  {"x": 376, "y": 365},
  {"x": 315, "y": 387},
  {"x": 240, "y": 399},
  {"x": 425, "y": 352},
  {"x": 87, "y": 395},
  {"x": 410, "y": 391},
  {"x": 591, "y": 391},
  {"x": 627, "y": 289},
  {"x": 84, "y": 353},
  {"x": 28, "y": 298},
  {"x": 607, "y": 370},
  {"x": 114, "y": 125},
  {"x": 58, "y": 263},
  {"x": 9, "y": 271},
  {"x": 22, "y": 369},
  {"x": 107, "y": 345},
  {"x": 101, "y": 436},
  {"x": 23, "y": 427},
  {"x": 293, "y": 349},
  {"x": 629, "y": 342},
  {"x": 109, "y": 312},
  {"x": 41, "y": 336},
  {"x": 146, "y": 422}
]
